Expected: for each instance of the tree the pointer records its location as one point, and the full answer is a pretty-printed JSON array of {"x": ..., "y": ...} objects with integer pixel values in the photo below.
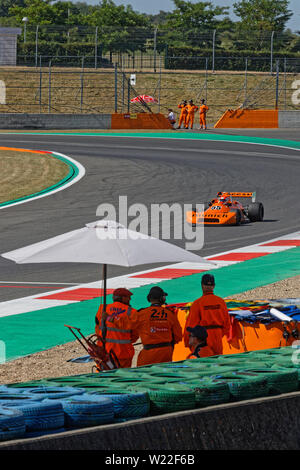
[
  {"x": 192, "y": 21},
  {"x": 120, "y": 27},
  {"x": 5, "y": 5},
  {"x": 268, "y": 15},
  {"x": 261, "y": 17},
  {"x": 159, "y": 18},
  {"x": 42, "y": 12}
]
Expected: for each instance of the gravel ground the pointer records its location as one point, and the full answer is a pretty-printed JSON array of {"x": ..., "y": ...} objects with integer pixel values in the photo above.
[{"x": 53, "y": 362}]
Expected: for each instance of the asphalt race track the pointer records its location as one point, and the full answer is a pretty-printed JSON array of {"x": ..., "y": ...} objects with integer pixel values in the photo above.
[{"x": 147, "y": 171}]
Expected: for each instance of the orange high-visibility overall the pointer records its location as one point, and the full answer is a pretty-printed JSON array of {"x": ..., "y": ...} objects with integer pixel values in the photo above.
[
  {"x": 190, "y": 115},
  {"x": 209, "y": 311},
  {"x": 159, "y": 329},
  {"x": 205, "y": 351},
  {"x": 183, "y": 115},
  {"x": 119, "y": 335},
  {"x": 203, "y": 111}
]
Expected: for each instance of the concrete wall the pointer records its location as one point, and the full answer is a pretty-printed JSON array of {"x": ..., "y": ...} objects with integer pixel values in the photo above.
[
  {"x": 8, "y": 45},
  {"x": 266, "y": 423},
  {"x": 289, "y": 119},
  {"x": 55, "y": 121}
]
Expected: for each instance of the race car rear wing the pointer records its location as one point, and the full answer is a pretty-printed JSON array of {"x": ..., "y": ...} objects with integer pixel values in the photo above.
[{"x": 242, "y": 194}]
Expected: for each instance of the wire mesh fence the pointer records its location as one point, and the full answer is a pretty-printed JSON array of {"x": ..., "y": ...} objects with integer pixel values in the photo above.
[
  {"x": 81, "y": 89},
  {"x": 141, "y": 47}
]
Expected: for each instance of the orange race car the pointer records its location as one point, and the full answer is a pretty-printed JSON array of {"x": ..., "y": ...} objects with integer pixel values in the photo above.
[{"x": 226, "y": 210}]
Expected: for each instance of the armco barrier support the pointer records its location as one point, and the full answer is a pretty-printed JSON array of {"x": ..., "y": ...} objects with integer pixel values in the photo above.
[
  {"x": 140, "y": 121},
  {"x": 249, "y": 119},
  {"x": 55, "y": 121},
  {"x": 289, "y": 119},
  {"x": 271, "y": 423}
]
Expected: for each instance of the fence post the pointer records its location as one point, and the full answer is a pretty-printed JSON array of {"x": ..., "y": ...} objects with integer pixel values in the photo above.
[
  {"x": 81, "y": 83},
  {"x": 40, "y": 90},
  {"x": 123, "y": 91},
  {"x": 206, "y": 70},
  {"x": 116, "y": 87},
  {"x": 272, "y": 41},
  {"x": 96, "y": 47},
  {"x": 25, "y": 27},
  {"x": 246, "y": 80},
  {"x": 277, "y": 83},
  {"x": 154, "y": 48},
  {"x": 213, "y": 51},
  {"x": 49, "y": 89},
  {"x": 128, "y": 96},
  {"x": 159, "y": 89},
  {"x": 36, "y": 45},
  {"x": 285, "y": 83}
]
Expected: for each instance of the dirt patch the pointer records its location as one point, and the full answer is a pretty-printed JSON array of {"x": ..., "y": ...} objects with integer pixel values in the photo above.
[
  {"x": 53, "y": 362},
  {"x": 24, "y": 173}
]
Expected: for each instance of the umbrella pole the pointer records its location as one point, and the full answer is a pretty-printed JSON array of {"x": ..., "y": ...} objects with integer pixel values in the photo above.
[
  {"x": 104, "y": 314},
  {"x": 104, "y": 275}
]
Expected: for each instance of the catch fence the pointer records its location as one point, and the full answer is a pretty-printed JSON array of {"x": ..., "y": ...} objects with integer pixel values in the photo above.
[{"x": 54, "y": 89}]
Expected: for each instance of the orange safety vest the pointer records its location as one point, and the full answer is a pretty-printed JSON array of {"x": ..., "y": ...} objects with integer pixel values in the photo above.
[
  {"x": 159, "y": 329},
  {"x": 209, "y": 311},
  {"x": 183, "y": 108},
  {"x": 191, "y": 108},
  {"x": 203, "y": 109},
  {"x": 119, "y": 335},
  {"x": 204, "y": 351}
]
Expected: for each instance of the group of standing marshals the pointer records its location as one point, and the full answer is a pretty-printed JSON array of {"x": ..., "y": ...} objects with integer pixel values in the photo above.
[
  {"x": 158, "y": 327},
  {"x": 187, "y": 114}
]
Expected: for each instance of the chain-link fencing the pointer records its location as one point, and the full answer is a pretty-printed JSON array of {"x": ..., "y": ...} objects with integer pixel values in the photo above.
[
  {"x": 141, "y": 48},
  {"x": 54, "y": 89}
]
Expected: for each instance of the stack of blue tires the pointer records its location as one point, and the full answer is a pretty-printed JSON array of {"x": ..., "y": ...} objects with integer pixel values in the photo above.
[{"x": 45, "y": 409}]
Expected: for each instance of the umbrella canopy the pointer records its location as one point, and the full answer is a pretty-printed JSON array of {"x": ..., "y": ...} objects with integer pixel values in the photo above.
[
  {"x": 103, "y": 242},
  {"x": 145, "y": 98}
]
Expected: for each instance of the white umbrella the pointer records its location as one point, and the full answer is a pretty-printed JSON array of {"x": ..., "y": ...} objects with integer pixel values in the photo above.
[{"x": 103, "y": 242}]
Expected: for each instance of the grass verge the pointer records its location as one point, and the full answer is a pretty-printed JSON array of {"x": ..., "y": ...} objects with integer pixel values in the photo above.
[{"x": 23, "y": 173}]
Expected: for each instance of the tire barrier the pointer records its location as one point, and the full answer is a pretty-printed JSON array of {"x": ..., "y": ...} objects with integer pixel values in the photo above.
[
  {"x": 19, "y": 387},
  {"x": 126, "y": 405},
  {"x": 168, "y": 398},
  {"x": 12, "y": 424},
  {"x": 126, "y": 394},
  {"x": 279, "y": 381},
  {"x": 17, "y": 398},
  {"x": 209, "y": 392},
  {"x": 40, "y": 415},
  {"x": 244, "y": 387},
  {"x": 53, "y": 392},
  {"x": 87, "y": 412}
]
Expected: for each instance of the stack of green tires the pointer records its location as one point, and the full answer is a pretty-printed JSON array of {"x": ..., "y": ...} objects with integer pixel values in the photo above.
[
  {"x": 244, "y": 386},
  {"x": 168, "y": 398},
  {"x": 278, "y": 380},
  {"x": 208, "y": 391}
]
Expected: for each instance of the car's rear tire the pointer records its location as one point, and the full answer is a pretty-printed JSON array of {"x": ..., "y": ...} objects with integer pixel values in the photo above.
[{"x": 255, "y": 212}]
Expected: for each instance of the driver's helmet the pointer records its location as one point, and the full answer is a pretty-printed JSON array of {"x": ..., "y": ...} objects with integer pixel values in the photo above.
[{"x": 223, "y": 199}]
